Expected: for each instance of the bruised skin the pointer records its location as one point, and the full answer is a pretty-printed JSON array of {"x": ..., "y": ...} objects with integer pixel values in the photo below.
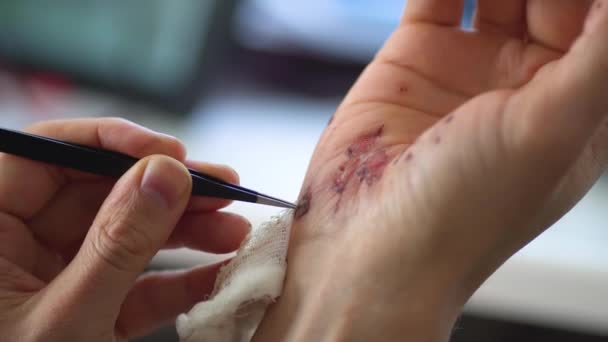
[
  {"x": 362, "y": 164},
  {"x": 428, "y": 86},
  {"x": 303, "y": 205},
  {"x": 366, "y": 159}
]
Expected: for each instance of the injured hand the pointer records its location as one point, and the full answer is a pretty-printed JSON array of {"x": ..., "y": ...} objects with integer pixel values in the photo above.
[{"x": 452, "y": 151}]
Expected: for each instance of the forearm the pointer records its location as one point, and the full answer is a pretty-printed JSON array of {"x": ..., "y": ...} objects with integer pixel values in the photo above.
[{"x": 348, "y": 300}]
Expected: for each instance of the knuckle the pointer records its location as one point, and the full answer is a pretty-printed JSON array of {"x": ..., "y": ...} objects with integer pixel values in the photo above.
[
  {"x": 123, "y": 241},
  {"x": 160, "y": 144},
  {"x": 178, "y": 149},
  {"x": 40, "y": 127},
  {"x": 144, "y": 142},
  {"x": 114, "y": 253},
  {"x": 118, "y": 121}
]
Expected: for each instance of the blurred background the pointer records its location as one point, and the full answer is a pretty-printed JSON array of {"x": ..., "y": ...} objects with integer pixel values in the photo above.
[{"x": 251, "y": 83}]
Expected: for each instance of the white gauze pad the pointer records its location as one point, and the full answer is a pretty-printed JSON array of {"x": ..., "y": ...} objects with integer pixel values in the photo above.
[{"x": 244, "y": 288}]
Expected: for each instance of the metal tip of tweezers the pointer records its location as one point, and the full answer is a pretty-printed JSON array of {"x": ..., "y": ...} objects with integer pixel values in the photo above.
[{"x": 267, "y": 200}]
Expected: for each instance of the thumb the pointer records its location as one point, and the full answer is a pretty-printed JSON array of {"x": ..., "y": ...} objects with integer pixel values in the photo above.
[
  {"x": 562, "y": 108},
  {"x": 134, "y": 222}
]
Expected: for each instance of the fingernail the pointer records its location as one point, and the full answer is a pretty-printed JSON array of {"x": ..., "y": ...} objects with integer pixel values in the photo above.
[{"x": 165, "y": 180}]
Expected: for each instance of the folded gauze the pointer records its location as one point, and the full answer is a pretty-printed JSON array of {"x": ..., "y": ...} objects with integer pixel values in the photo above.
[{"x": 244, "y": 288}]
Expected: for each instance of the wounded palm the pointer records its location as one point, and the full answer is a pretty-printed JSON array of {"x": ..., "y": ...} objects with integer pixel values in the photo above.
[{"x": 452, "y": 151}]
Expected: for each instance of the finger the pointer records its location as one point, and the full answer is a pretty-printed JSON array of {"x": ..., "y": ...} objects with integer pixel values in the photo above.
[
  {"x": 157, "y": 299},
  {"x": 82, "y": 200},
  {"x": 20, "y": 247},
  {"x": 565, "y": 104},
  {"x": 201, "y": 203},
  {"x": 113, "y": 134},
  {"x": 507, "y": 17},
  {"x": 134, "y": 222},
  {"x": 24, "y": 196},
  {"x": 557, "y": 23},
  {"x": 439, "y": 12},
  {"x": 215, "y": 232}
]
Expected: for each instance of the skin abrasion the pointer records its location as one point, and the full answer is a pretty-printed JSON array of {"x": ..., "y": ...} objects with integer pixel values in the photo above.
[
  {"x": 366, "y": 161},
  {"x": 364, "y": 144},
  {"x": 303, "y": 204},
  {"x": 372, "y": 169},
  {"x": 409, "y": 156}
]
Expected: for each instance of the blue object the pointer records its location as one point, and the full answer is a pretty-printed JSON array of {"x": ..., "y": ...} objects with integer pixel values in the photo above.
[{"x": 469, "y": 12}]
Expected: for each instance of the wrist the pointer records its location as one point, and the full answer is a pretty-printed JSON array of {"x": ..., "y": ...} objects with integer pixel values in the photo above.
[
  {"x": 363, "y": 314},
  {"x": 342, "y": 299}
]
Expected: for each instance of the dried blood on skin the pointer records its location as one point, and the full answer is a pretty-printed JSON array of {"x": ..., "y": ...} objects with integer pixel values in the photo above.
[
  {"x": 366, "y": 162},
  {"x": 372, "y": 167},
  {"x": 303, "y": 204},
  {"x": 406, "y": 154},
  {"x": 366, "y": 159},
  {"x": 345, "y": 174},
  {"x": 409, "y": 156},
  {"x": 364, "y": 144}
]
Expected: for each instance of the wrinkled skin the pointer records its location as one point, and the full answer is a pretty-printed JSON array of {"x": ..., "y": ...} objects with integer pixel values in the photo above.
[
  {"x": 73, "y": 245},
  {"x": 451, "y": 152}
]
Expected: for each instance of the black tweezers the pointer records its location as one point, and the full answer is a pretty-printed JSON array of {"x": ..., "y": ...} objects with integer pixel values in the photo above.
[{"x": 114, "y": 164}]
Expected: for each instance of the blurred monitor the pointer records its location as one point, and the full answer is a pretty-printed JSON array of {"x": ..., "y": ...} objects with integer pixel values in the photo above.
[{"x": 159, "y": 50}]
